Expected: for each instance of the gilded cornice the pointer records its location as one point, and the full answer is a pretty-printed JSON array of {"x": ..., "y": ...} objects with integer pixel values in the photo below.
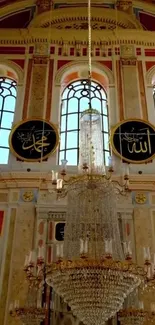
[
  {"x": 54, "y": 36},
  {"x": 42, "y": 180}
]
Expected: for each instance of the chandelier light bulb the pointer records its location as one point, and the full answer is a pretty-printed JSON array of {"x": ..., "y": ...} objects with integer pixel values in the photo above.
[
  {"x": 59, "y": 184},
  {"x": 153, "y": 307},
  {"x": 147, "y": 254},
  {"x": 54, "y": 177},
  {"x": 64, "y": 163},
  {"x": 141, "y": 305},
  {"x": 126, "y": 172}
]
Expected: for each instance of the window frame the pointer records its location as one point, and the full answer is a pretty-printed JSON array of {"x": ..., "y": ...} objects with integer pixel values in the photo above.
[
  {"x": 11, "y": 87},
  {"x": 104, "y": 112}
]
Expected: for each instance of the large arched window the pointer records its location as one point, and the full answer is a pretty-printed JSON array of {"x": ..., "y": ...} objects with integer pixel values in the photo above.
[
  {"x": 74, "y": 100},
  {"x": 7, "y": 109}
]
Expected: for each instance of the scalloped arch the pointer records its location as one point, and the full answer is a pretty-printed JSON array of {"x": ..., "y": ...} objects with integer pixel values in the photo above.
[
  {"x": 150, "y": 76},
  {"x": 8, "y": 64},
  {"x": 83, "y": 65}
]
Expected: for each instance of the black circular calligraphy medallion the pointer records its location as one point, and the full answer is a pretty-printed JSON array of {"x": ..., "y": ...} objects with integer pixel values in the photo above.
[
  {"x": 33, "y": 139},
  {"x": 134, "y": 141}
]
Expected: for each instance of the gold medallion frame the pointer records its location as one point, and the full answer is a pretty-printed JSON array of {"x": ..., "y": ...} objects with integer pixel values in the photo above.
[
  {"x": 33, "y": 119},
  {"x": 114, "y": 128}
]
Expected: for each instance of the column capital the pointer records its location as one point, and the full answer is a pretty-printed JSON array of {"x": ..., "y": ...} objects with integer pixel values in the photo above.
[
  {"x": 40, "y": 60},
  {"x": 128, "y": 61}
]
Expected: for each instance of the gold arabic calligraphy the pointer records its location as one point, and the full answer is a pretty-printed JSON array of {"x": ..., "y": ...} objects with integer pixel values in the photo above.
[
  {"x": 37, "y": 145},
  {"x": 136, "y": 142}
]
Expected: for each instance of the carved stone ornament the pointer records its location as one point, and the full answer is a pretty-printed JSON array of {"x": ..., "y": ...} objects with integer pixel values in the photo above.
[
  {"x": 127, "y": 51},
  {"x": 124, "y": 5},
  {"x": 84, "y": 25},
  {"x": 128, "y": 55},
  {"x": 129, "y": 61},
  {"x": 28, "y": 196},
  {"x": 40, "y": 60},
  {"x": 44, "y": 5},
  {"x": 41, "y": 49},
  {"x": 140, "y": 198}
]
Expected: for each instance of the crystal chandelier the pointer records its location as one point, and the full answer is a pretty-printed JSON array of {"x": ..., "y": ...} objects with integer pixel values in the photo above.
[
  {"x": 32, "y": 312},
  {"x": 91, "y": 273}
]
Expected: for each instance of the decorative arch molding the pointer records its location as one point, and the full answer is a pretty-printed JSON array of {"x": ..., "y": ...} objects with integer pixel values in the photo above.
[
  {"x": 150, "y": 76},
  {"x": 15, "y": 6},
  {"x": 102, "y": 18},
  {"x": 145, "y": 6},
  {"x": 14, "y": 68},
  {"x": 83, "y": 66}
]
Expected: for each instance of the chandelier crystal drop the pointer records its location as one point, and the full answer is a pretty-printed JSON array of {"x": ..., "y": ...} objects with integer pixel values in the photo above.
[{"x": 91, "y": 273}]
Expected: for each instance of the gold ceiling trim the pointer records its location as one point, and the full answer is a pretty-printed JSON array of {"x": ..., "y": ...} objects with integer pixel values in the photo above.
[
  {"x": 27, "y": 179},
  {"x": 43, "y": 35}
]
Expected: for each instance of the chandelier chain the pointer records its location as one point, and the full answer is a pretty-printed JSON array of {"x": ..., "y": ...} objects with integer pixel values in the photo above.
[{"x": 89, "y": 39}]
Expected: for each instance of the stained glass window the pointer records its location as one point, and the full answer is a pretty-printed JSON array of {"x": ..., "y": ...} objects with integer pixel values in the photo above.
[
  {"x": 7, "y": 109},
  {"x": 74, "y": 100}
]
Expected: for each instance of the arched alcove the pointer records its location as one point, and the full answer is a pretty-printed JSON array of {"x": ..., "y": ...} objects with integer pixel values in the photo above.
[{"x": 75, "y": 70}]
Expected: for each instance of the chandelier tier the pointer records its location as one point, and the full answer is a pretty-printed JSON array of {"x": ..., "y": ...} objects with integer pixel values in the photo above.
[
  {"x": 133, "y": 316},
  {"x": 94, "y": 288},
  {"x": 29, "y": 315},
  {"x": 32, "y": 312}
]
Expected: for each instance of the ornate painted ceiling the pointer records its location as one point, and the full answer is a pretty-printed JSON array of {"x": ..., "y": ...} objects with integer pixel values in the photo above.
[{"x": 21, "y": 13}]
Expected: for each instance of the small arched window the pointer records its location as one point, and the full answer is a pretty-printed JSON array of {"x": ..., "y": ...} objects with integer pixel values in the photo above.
[
  {"x": 7, "y": 108},
  {"x": 74, "y": 100}
]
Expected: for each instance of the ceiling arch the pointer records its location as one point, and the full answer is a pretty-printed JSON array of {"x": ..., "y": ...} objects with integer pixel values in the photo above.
[
  {"x": 21, "y": 13},
  {"x": 102, "y": 18},
  {"x": 8, "y": 65}
]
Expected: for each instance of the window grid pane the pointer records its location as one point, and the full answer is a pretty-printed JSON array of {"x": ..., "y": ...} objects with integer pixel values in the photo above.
[
  {"x": 7, "y": 108},
  {"x": 75, "y": 99}
]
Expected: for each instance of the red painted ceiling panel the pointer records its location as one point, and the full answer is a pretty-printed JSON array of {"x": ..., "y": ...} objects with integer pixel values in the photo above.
[{"x": 147, "y": 21}]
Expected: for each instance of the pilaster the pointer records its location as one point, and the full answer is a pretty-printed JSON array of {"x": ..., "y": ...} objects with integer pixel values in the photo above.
[
  {"x": 39, "y": 81},
  {"x": 129, "y": 69}
]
